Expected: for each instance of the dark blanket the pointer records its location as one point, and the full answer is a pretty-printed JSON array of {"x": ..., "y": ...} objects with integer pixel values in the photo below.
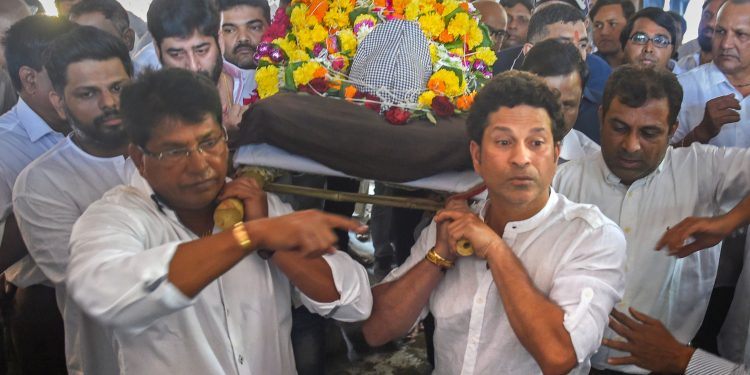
[{"x": 356, "y": 140}]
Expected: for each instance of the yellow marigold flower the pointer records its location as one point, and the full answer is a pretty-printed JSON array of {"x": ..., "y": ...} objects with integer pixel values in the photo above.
[
  {"x": 267, "y": 78},
  {"x": 444, "y": 82},
  {"x": 457, "y": 51},
  {"x": 298, "y": 18},
  {"x": 474, "y": 36},
  {"x": 433, "y": 53},
  {"x": 299, "y": 55},
  {"x": 348, "y": 42},
  {"x": 486, "y": 54},
  {"x": 449, "y": 6},
  {"x": 319, "y": 34},
  {"x": 425, "y": 99},
  {"x": 432, "y": 24},
  {"x": 306, "y": 72},
  {"x": 337, "y": 18},
  {"x": 365, "y": 16},
  {"x": 286, "y": 45},
  {"x": 459, "y": 25},
  {"x": 412, "y": 10}
]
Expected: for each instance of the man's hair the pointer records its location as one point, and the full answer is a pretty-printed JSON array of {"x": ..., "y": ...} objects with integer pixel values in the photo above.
[
  {"x": 152, "y": 100},
  {"x": 634, "y": 85},
  {"x": 110, "y": 9},
  {"x": 567, "y": 59},
  {"x": 658, "y": 16},
  {"x": 551, "y": 14},
  {"x": 676, "y": 17},
  {"x": 628, "y": 9},
  {"x": 25, "y": 41},
  {"x": 262, "y": 4},
  {"x": 528, "y": 4},
  {"x": 180, "y": 18},
  {"x": 510, "y": 89},
  {"x": 83, "y": 43}
]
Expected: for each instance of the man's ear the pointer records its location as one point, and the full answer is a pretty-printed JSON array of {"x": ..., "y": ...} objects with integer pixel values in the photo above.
[
  {"x": 135, "y": 154},
  {"x": 58, "y": 103},
  {"x": 526, "y": 47},
  {"x": 476, "y": 155},
  {"x": 28, "y": 78},
  {"x": 129, "y": 37},
  {"x": 673, "y": 129}
]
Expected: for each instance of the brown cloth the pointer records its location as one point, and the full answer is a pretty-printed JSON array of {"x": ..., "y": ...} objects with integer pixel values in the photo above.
[{"x": 355, "y": 140}]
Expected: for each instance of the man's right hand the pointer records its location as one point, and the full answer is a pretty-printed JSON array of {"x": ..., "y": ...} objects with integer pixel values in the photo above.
[
  {"x": 308, "y": 232},
  {"x": 706, "y": 232},
  {"x": 720, "y": 111}
]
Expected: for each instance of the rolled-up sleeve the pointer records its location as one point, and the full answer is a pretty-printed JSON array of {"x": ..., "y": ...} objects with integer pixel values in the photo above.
[
  {"x": 353, "y": 286},
  {"x": 114, "y": 276},
  {"x": 589, "y": 286}
]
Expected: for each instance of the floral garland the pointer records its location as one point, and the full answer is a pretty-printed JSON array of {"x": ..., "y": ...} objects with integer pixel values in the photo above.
[{"x": 310, "y": 45}]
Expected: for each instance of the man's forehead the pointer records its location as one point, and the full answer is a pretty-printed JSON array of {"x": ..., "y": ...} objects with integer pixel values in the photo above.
[
  {"x": 519, "y": 119},
  {"x": 605, "y": 12},
  {"x": 245, "y": 12},
  {"x": 571, "y": 31},
  {"x": 87, "y": 73},
  {"x": 648, "y": 26},
  {"x": 738, "y": 13}
]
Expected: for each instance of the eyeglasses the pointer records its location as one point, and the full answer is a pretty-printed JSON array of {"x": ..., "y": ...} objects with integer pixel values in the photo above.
[
  {"x": 209, "y": 146},
  {"x": 660, "y": 41},
  {"x": 497, "y": 33}
]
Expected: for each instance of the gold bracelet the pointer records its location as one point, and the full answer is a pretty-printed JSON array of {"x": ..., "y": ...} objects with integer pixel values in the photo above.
[
  {"x": 240, "y": 234},
  {"x": 435, "y": 258}
]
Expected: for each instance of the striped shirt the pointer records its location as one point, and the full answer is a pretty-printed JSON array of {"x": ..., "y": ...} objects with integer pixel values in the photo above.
[{"x": 705, "y": 363}]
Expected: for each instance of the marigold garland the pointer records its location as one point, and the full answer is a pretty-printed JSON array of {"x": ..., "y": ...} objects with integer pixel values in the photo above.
[{"x": 310, "y": 46}]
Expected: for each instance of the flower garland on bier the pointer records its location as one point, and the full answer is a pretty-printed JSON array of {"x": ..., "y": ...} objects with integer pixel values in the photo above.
[{"x": 311, "y": 44}]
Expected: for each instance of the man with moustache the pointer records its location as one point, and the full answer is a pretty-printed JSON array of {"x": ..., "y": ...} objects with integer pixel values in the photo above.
[
  {"x": 698, "y": 51},
  {"x": 648, "y": 39},
  {"x": 88, "y": 69},
  {"x": 646, "y": 186},
  {"x": 186, "y": 36},
  {"x": 29, "y": 129},
  {"x": 519, "y": 14},
  {"x": 609, "y": 18},
  {"x": 243, "y": 25},
  {"x": 493, "y": 16}
]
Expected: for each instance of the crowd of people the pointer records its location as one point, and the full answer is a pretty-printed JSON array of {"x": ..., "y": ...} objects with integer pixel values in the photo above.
[{"x": 610, "y": 238}]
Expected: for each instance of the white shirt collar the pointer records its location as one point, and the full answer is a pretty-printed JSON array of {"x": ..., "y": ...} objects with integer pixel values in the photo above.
[
  {"x": 530, "y": 223},
  {"x": 33, "y": 124}
]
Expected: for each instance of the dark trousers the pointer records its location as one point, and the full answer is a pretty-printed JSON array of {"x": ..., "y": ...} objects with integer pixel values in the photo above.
[{"x": 37, "y": 331}]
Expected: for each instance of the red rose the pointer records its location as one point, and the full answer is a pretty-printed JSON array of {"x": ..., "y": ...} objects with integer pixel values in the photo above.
[
  {"x": 278, "y": 27},
  {"x": 442, "y": 106},
  {"x": 397, "y": 116},
  {"x": 373, "y": 102},
  {"x": 316, "y": 86}
]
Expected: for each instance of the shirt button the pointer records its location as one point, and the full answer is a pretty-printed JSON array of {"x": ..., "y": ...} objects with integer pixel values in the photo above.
[{"x": 242, "y": 360}]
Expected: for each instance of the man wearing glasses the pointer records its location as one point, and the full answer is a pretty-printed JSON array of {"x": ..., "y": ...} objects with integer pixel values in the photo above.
[
  {"x": 496, "y": 20},
  {"x": 176, "y": 295},
  {"x": 648, "y": 39}
]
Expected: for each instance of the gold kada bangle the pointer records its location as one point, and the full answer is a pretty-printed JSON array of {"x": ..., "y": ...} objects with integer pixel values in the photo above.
[
  {"x": 240, "y": 234},
  {"x": 435, "y": 258}
]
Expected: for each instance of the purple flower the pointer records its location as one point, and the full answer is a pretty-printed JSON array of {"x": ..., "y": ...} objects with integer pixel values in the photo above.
[
  {"x": 263, "y": 49},
  {"x": 480, "y": 65},
  {"x": 361, "y": 24},
  {"x": 318, "y": 49},
  {"x": 277, "y": 56}
]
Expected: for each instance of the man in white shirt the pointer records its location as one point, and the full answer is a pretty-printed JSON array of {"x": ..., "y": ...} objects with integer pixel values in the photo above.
[
  {"x": 716, "y": 108},
  {"x": 88, "y": 68},
  {"x": 566, "y": 75},
  {"x": 646, "y": 186},
  {"x": 545, "y": 273},
  {"x": 175, "y": 295},
  {"x": 29, "y": 129},
  {"x": 243, "y": 23},
  {"x": 652, "y": 347},
  {"x": 698, "y": 51}
]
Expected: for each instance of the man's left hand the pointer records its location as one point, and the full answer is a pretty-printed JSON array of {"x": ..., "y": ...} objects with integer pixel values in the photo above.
[
  {"x": 649, "y": 343},
  {"x": 250, "y": 193},
  {"x": 465, "y": 224}
]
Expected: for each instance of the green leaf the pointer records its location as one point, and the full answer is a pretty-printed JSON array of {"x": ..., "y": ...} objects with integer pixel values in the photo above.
[
  {"x": 356, "y": 13},
  {"x": 289, "y": 76},
  {"x": 431, "y": 118}
]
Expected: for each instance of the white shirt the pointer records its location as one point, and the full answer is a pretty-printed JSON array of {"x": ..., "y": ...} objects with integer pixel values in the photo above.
[
  {"x": 145, "y": 59},
  {"x": 49, "y": 196},
  {"x": 574, "y": 256},
  {"x": 23, "y": 137},
  {"x": 576, "y": 145},
  {"x": 689, "y": 62},
  {"x": 243, "y": 82},
  {"x": 694, "y": 181},
  {"x": 701, "y": 85},
  {"x": 239, "y": 324},
  {"x": 734, "y": 337}
]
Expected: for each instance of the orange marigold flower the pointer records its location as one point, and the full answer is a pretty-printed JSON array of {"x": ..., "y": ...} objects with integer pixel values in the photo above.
[
  {"x": 320, "y": 73},
  {"x": 436, "y": 85},
  {"x": 439, "y": 8},
  {"x": 465, "y": 6},
  {"x": 464, "y": 102},
  {"x": 350, "y": 92},
  {"x": 445, "y": 37},
  {"x": 318, "y": 8}
]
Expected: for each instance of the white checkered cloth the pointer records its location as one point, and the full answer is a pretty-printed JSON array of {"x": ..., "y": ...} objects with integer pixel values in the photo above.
[{"x": 393, "y": 62}]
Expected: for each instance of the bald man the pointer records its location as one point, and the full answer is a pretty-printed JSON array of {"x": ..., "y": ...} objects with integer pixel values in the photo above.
[
  {"x": 494, "y": 16},
  {"x": 10, "y": 12}
]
